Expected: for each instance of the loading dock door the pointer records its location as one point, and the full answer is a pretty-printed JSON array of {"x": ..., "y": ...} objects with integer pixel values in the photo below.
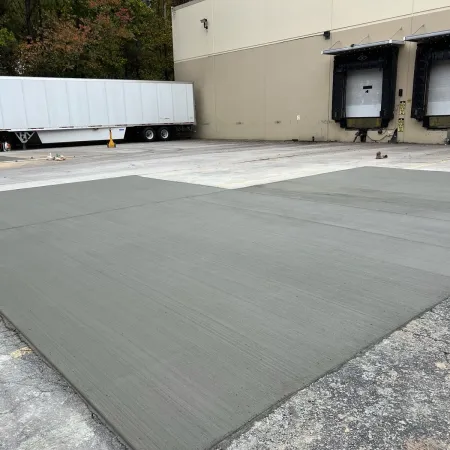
[
  {"x": 364, "y": 93},
  {"x": 439, "y": 89}
]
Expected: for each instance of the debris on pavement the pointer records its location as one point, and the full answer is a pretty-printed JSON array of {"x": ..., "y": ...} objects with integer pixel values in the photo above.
[
  {"x": 57, "y": 157},
  {"x": 20, "y": 352}
]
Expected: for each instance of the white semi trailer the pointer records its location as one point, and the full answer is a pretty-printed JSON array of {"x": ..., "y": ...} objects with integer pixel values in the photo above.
[{"x": 57, "y": 110}]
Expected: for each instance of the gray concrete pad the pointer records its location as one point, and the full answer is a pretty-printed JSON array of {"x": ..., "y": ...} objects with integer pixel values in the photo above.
[
  {"x": 394, "y": 396},
  {"x": 48, "y": 203},
  {"x": 181, "y": 318}
]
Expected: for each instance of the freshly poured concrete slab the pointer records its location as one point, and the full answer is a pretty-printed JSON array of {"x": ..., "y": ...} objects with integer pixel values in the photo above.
[
  {"x": 382, "y": 189},
  {"x": 181, "y": 318},
  {"x": 31, "y": 206}
]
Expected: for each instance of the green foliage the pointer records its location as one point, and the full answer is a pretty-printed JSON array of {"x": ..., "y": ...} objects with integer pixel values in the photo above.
[
  {"x": 6, "y": 37},
  {"x": 8, "y": 48},
  {"x": 86, "y": 38}
]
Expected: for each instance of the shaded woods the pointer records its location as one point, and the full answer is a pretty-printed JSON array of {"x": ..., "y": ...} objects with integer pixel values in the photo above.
[{"x": 128, "y": 39}]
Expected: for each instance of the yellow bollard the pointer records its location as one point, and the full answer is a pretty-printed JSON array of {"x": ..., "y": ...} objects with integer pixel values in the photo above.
[{"x": 111, "y": 143}]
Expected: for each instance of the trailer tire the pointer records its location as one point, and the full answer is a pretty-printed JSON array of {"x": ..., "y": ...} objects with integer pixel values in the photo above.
[
  {"x": 148, "y": 134},
  {"x": 165, "y": 133}
]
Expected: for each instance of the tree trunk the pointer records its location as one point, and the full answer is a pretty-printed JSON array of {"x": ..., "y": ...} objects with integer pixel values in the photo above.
[{"x": 28, "y": 19}]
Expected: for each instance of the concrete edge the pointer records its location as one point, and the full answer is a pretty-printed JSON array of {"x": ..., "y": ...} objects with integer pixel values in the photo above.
[
  {"x": 96, "y": 414},
  {"x": 227, "y": 440}
]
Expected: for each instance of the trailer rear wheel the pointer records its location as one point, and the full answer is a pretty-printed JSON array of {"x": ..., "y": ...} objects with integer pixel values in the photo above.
[
  {"x": 148, "y": 134},
  {"x": 165, "y": 133}
]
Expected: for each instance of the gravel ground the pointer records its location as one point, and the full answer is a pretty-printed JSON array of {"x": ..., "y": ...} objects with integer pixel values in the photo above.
[
  {"x": 394, "y": 396},
  {"x": 38, "y": 410}
]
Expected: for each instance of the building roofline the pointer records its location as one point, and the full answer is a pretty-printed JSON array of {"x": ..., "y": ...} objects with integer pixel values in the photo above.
[{"x": 188, "y": 3}]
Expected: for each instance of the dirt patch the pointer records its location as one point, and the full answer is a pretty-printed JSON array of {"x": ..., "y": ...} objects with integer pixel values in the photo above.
[
  {"x": 427, "y": 444},
  {"x": 10, "y": 158}
]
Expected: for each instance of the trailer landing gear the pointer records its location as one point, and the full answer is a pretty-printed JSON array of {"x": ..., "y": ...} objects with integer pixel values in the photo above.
[
  {"x": 24, "y": 137},
  {"x": 111, "y": 143}
]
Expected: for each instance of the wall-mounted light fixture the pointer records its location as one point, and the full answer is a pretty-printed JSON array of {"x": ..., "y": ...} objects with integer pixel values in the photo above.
[{"x": 205, "y": 23}]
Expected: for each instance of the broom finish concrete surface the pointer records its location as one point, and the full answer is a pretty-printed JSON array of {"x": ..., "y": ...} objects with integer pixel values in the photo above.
[{"x": 182, "y": 312}]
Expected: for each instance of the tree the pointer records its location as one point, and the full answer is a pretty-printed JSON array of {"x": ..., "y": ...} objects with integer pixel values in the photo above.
[
  {"x": 8, "y": 52},
  {"x": 88, "y": 38}
]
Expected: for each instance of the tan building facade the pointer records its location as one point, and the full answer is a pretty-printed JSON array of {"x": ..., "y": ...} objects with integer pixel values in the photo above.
[{"x": 260, "y": 73}]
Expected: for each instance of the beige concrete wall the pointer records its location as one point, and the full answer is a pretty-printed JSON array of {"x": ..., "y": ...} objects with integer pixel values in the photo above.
[
  {"x": 240, "y": 24},
  {"x": 296, "y": 90},
  {"x": 190, "y": 39},
  {"x": 350, "y": 13},
  {"x": 429, "y": 5},
  {"x": 201, "y": 71},
  {"x": 239, "y": 92},
  {"x": 260, "y": 92}
]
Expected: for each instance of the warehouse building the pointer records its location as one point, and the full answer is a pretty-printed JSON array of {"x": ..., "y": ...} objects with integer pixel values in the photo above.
[{"x": 323, "y": 70}]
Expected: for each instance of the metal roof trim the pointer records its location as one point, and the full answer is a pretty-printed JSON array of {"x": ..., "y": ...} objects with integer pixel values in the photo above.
[
  {"x": 354, "y": 48},
  {"x": 426, "y": 36}
]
